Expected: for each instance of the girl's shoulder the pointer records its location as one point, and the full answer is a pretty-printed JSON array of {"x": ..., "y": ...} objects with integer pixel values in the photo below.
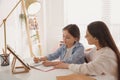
[{"x": 78, "y": 44}]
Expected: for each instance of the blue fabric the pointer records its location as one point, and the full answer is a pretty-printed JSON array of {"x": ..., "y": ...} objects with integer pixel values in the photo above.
[{"x": 77, "y": 56}]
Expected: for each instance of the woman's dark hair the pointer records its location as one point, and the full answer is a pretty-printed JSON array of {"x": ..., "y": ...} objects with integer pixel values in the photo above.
[
  {"x": 99, "y": 30},
  {"x": 73, "y": 30}
]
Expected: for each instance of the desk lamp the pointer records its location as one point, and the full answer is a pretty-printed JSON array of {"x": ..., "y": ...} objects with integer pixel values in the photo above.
[{"x": 26, "y": 4}]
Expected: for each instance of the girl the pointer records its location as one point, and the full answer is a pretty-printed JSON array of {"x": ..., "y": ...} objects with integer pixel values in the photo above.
[{"x": 70, "y": 52}]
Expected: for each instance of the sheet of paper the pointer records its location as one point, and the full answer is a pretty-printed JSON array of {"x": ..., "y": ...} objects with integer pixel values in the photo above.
[
  {"x": 41, "y": 67},
  {"x": 38, "y": 66}
]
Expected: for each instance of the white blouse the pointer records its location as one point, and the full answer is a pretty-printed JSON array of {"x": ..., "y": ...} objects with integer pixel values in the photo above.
[{"x": 102, "y": 65}]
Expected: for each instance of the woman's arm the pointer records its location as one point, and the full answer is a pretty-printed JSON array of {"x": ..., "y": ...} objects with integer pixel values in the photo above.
[
  {"x": 103, "y": 63},
  {"x": 62, "y": 65}
]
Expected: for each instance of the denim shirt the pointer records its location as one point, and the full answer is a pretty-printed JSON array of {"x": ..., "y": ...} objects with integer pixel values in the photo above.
[{"x": 77, "y": 56}]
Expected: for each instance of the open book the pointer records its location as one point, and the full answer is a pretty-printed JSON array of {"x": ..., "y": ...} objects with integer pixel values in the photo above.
[{"x": 38, "y": 66}]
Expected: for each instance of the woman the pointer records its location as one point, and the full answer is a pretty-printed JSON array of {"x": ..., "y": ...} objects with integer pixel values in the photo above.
[
  {"x": 104, "y": 63},
  {"x": 70, "y": 52}
]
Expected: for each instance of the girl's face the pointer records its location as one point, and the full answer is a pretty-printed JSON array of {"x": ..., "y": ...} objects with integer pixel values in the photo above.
[
  {"x": 91, "y": 40},
  {"x": 68, "y": 39}
]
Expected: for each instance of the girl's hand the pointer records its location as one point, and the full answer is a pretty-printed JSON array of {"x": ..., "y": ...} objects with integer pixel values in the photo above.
[
  {"x": 36, "y": 59},
  {"x": 43, "y": 58}
]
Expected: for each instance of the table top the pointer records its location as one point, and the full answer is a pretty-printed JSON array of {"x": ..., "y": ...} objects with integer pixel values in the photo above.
[{"x": 6, "y": 74}]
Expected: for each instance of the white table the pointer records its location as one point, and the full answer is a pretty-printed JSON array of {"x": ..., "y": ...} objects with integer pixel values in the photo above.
[{"x": 33, "y": 74}]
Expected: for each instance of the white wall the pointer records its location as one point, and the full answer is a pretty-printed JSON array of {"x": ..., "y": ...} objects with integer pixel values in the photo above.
[
  {"x": 57, "y": 15},
  {"x": 105, "y": 10},
  {"x": 54, "y": 20}
]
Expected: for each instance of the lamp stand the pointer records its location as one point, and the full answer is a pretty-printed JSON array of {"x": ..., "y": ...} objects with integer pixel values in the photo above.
[
  {"x": 27, "y": 27},
  {"x": 5, "y": 45}
]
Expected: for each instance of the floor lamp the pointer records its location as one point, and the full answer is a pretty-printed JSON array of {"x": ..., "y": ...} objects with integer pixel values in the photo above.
[{"x": 26, "y": 23}]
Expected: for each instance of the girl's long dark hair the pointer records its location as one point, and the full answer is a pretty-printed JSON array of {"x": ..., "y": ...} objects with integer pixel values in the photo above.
[{"x": 99, "y": 30}]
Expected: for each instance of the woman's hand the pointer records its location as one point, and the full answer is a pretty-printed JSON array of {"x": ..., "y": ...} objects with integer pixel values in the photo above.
[
  {"x": 62, "y": 66},
  {"x": 49, "y": 63}
]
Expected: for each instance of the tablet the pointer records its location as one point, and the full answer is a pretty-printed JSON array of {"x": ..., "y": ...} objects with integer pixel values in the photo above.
[{"x": 17, "y": 57}]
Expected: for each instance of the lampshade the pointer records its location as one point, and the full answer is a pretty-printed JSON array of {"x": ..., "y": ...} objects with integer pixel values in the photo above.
[{"x": 32, "y": 6}]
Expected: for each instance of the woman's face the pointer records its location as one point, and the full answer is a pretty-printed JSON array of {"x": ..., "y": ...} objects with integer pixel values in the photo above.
[
  {"x": 91, "y": 40},
  {"x": 68, "y": 39}
]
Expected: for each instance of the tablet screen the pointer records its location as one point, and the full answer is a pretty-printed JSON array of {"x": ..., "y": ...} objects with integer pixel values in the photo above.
[{"x": 14, "y": 54}]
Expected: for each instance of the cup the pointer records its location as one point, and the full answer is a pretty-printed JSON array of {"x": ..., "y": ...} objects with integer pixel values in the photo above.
[{"x": 5, "y": 60}]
